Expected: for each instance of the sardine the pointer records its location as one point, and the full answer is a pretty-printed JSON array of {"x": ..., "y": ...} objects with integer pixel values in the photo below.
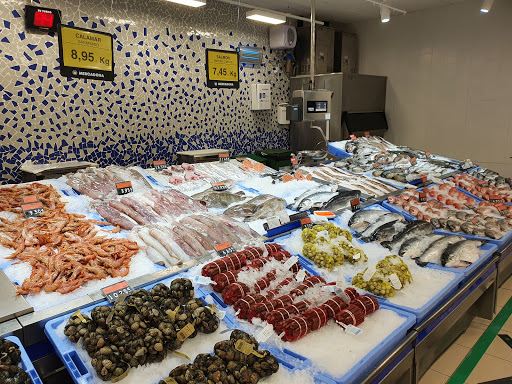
[
  {"x": 436, "y": 249},
  {"x": 461, "y": 253},
  {"x": 417, "y": 245},
  {"x": 414, "y": 228}
]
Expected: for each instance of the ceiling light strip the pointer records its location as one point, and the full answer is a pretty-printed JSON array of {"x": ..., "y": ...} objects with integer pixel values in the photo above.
[
  {"x": 190, "y": 3},
  {"x": 291, "y": 16}
]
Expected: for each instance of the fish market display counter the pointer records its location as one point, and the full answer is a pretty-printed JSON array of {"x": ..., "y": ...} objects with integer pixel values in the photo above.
[{"x": 237, "y": 199}]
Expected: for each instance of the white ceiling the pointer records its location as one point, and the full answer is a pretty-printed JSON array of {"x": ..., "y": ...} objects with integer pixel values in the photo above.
[{"x": 346, "y": 11}]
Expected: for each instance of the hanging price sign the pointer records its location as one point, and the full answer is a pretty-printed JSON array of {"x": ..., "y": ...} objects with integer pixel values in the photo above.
[
  {"x": 222, "y": 69},
  {"x": 86, "y": 54}
]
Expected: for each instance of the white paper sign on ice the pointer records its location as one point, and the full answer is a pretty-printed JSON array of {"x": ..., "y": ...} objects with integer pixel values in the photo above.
[
  {"x": 370, "y": 271},
  {"x": 290, "y": 262},
  {"x": 436, "y": 180},
  {"x": 395, "y": 260},
  {"x": 203, "y": 280},
  {"x": 273, "y": 222},
  {"x": 265, "y": 333},
  {"x": 329, "y": 288},
  {"x": 220, "y": 314},
  {"x": 353, "y": 330},
  {"x": 300, "y": 276},
  {"x": 284, "y": 218},
  {"x": 395, "y": 281},
  {"x": 340, "y": 282},
  {"x": 350, "y": 329}
]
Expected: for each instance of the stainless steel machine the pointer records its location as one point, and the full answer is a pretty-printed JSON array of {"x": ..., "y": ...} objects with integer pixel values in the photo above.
[{"x": 357, "y": 105}]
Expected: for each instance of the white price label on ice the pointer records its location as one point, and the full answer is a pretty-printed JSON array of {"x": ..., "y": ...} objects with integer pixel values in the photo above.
[
  {"x": 273, "y": 222},
  {"x": 329, "y": 288},
  {"x": 395, "y": 281},
  {"x": 284, "y": 218},
  {"x": 357, "y": 256},
  {"x": 435, "y": 179},
  {"x": 300, "y": 276},
  {"x": 370, "y": 271},
  {"x": 203, "y": 280},
  {"x": 290, "y": 262},
  {"x": 340, "y": 282},
  {"x": 353, "y": 330},
  {"x": 396, "y": 260},
  {"x": 265, "y": 333}
]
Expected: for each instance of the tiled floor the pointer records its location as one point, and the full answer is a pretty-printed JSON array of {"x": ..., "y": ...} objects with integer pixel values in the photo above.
[{"x": 495, "y": 364}]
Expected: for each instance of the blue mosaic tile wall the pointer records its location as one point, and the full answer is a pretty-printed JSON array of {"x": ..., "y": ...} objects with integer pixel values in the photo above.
[{"x": 158, "y": 104}]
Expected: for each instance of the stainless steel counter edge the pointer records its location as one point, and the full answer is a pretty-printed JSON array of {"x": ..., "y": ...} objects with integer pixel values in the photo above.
[
  {"x": 457, "y": 295},
  {"x": 10, "y": 328},
  {"x": 384, "y": 363}
]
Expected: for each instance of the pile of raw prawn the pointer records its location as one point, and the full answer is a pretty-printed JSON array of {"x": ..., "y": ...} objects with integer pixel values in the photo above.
[{"x": 64, "y": 249}]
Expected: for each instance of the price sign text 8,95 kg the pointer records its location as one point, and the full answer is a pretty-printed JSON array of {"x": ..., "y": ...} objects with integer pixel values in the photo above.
[{"x": 86, "y": 54}]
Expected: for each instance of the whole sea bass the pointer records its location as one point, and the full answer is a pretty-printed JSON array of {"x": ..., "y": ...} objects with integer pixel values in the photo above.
[
  {"x": 362, "y": 218},
  {"x": 414, "y": 228},
  {"x": 341, "y": 201},
  {"x": 462, "y": 253},
  {"x": 436, "y": 249}
]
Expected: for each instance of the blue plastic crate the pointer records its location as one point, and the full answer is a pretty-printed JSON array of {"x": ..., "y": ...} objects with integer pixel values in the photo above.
[
  {"x": 67, "y": 351},
  {"x": 489, "y": 250},
  {"x": 433, "y": 303},
  {"x": 26, "y": 364},
  {"x": 360, "y": 368},
  {"x": 338, "y": 152},
  {"x": 501, "y": 243},
  {"x": 367, "y": 362}
]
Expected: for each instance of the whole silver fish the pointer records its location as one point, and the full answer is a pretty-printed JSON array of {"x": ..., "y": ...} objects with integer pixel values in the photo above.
[
  {"x": 321, "y": 188},
  {"x": 414, "y": 228},
  {"x": 384, "y": 219},
  {"x": 435, "y": 251},
  {"x": 362, "y": 218},
  {"x": 416, "y": 246},
  {"x": 461, "y": 253}
]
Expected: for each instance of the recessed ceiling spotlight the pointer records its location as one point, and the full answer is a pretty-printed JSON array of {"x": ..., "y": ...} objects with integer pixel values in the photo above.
[
  {"x": 190, "y": 3},
  {"x": 486, "y": 6},
  {"x": 385, "y": 14}
]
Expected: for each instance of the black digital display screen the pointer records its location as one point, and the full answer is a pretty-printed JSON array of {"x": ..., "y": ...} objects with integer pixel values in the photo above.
[{"x": 317, "y": 107}]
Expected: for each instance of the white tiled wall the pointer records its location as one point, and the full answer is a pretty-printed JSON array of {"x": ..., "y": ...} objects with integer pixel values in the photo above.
[{"x": 449, "y": 79}]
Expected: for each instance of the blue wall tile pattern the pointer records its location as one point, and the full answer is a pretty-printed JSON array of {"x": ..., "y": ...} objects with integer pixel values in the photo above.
[{"x": 158, "y": 104}]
